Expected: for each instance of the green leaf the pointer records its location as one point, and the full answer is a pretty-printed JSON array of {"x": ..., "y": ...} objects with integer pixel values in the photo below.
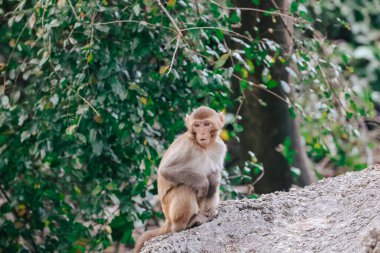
[
  {"x": 90, "y": 57},
  {"x": 127, "y": 237},
  {"x": 137, "y": 9},
  {"x": 97, "y": 148},
  {"x": 171, "y": 3},
  {"x": 96, "y": 191},
  {"x": 220, "y": 34},
  {"x": 293, "y": 115},
  {"x": 234, "y": 18},
  {"x": 345, "y": 59},
  {"x": 70, "y": 130},
  {"x": 146, "y": 215},
  {"x": 243, "y": 84},
  {"x": 291, "y": 72},
  {"x": 118, "y": 88},
  {"x": 112, "y": 186},
  {"x": 251, "y": 66},
  {"x": 296, "y": 172},
  {"x": 222, "y": 60},
  {"x": 139, "y": 187},
  {"x": 294, "y": 7},
  {"x": 304, "y": 15},
  {"x": 271, "y": 84}
]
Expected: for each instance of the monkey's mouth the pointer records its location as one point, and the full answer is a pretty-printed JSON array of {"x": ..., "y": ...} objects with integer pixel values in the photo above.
[{"x": 203, "y": 142}]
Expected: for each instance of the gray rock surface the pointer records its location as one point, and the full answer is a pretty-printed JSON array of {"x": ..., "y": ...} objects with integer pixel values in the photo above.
[{"x": 339, "y": 214}]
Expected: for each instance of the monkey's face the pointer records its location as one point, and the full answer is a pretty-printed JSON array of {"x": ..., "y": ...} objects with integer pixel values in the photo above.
[
  {"x": 204, "y": 132},
  {"x": 204, "y": 125}
]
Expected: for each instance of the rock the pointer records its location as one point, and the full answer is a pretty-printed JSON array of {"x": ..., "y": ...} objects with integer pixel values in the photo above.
[{"x": 340, "y": 214}]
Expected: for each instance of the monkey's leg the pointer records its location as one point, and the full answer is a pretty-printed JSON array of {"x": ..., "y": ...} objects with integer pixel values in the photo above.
[
  {"x": 183, "y": 206},
  {"x": 207, "y": 210},
  {"x": 208, "y": 205}
]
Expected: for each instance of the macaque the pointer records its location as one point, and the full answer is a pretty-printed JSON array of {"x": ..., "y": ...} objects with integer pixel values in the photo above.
[{"x": 189, "y": 174}]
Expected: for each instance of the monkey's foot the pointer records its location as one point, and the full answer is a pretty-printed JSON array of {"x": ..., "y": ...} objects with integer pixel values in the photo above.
[
  {"x": 211, "y": 214},
  {"x": 197, "y": 220}
]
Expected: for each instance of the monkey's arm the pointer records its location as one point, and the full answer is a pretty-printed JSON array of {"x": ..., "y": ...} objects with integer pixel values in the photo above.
[
  {"x": 213, "y": 180},
  {"x": 185, "y": 176}
]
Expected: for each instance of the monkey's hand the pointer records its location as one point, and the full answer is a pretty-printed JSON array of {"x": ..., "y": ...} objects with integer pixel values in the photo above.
[
  {"x": 213, "y": 180},
  {"x": 198, "y": 182}
]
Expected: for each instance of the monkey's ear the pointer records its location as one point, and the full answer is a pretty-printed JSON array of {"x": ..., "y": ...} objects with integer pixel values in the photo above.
[
  {"x": 187, "y": 120},
  {"x": 221, "y": 114}
]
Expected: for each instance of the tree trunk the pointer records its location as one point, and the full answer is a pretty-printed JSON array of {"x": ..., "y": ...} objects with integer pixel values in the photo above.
[{"x": 267, "y": 126}]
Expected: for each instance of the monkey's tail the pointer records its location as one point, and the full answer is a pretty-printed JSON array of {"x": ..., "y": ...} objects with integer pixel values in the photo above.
[{"x": 150, "y": 234}]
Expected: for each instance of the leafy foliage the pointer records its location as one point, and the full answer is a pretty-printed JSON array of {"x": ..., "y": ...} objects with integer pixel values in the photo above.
[
  {"x": 87, "y": 112},
  {"x": 334, "y": 127}
]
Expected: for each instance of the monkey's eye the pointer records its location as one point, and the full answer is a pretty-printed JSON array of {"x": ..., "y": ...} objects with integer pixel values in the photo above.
[
  {"x": 197, "y": 125},
  {"x": 207, "y": 124}
]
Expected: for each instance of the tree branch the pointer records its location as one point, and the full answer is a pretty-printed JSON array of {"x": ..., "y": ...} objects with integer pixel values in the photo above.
[
  {"x": 174, "y": 54},
  {"x": 136, "y": 21},
  {"x": 179, "y": 33},
  {"x": 72, "y": 8},
  {"x": 217, "y": 28},
  {"x": 169, "y": 16},
  {"x": 261, "y": 86},
  {"x": 282, "y": 20}
]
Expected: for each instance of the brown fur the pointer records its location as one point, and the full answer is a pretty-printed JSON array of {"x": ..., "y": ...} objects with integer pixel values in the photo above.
[
  {"x": 189, "y": 177},
  {"x": 203, "y": 112}
]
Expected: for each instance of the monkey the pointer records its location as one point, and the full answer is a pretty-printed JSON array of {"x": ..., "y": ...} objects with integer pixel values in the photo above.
[{"x": 189, "y": 174}]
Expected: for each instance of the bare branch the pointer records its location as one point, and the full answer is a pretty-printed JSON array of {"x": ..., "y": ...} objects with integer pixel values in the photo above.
[
  {"x": 136, "y": 21},
  {"x": 174, "y": 54},
  {"x": 216, "y": 28},
  {"x": 85, "y": 100},
  {"x": 261, "y": 86},
  {"x": 179, "y": 33},
  {"x": 72, "y": 8},
  {"x": 92, "y": 27},
  {"x": 259, "y": 177},
  {"x": 76, "y": 92},
  {"x": 169, "y": 16},
  {"x": 331, "y": 88},
  {"x": 288, "y": 30},
  {"x": 13, "y": 50}
]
